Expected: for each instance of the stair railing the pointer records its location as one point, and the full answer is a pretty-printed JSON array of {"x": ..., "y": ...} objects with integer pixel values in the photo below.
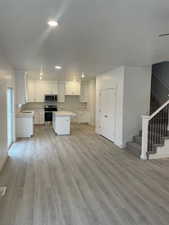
[{"x": 154, "y": 129}]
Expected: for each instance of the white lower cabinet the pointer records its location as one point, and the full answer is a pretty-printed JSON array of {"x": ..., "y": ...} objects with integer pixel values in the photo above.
[
  {"x": 83, "y": 116},
  {"x": 39, "y": 117},
  {"x": 61, "y": 125},
  {"x": 24, "y": 127}
]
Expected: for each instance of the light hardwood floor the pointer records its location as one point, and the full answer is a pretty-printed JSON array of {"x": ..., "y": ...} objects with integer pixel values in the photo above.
[{"x": 81, "y": 179}]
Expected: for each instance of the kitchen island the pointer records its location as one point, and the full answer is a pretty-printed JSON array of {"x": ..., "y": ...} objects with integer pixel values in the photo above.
[{"x": 61, "y": 122}]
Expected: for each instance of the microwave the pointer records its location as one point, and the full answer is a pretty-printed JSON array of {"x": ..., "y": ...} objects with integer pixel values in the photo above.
[{"x": 51, "y": 98}]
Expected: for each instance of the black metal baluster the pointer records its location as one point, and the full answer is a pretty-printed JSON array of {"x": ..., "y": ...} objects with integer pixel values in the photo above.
[
  {"x": 164, "y": 124},
  {"x": 161, "y": 125},
  {"x": 158, "y": 128},
  {"x": 167, "y": 121},
  {"x": 149, "y": 136},
  {"x": 154, "y": 132}
]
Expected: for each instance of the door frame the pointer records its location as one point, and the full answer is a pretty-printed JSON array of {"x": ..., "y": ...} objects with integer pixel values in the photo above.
[
  {"x": 13, "y": 115},
  {"x": 115, "y": 112}
]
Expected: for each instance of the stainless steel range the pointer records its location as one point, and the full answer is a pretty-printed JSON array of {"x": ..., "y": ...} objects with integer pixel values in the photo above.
[{"x": 49, "y": 109}]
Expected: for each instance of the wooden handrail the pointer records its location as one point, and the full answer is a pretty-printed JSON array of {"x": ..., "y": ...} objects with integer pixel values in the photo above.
[{"x": 159, "y": 110}]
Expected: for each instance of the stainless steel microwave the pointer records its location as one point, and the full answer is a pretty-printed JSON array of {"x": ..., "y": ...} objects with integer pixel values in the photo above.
[{"x": 51, "y": 98}]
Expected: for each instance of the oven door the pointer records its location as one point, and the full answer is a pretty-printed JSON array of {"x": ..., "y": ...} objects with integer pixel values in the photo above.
[{"x": 48, "y": 116}]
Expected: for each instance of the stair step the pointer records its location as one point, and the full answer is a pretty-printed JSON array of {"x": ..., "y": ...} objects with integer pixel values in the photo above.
[
  {"x": 134, "y": 148},
  {"x": 166, "y": 137},
  {"x": 158, "y": 145},
  {"x": 135, "y": 145},
  {"x": 137, "y": 139}
]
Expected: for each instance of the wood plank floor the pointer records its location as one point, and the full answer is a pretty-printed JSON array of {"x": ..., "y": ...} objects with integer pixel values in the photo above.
[{"x": 81, "y": 179}]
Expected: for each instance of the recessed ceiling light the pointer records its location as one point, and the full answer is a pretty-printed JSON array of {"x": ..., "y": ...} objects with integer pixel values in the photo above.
[
  {"x": 83, "y": 75},
  {"x": 58, "y": 67},
  {"x": 53, "y": 23}
]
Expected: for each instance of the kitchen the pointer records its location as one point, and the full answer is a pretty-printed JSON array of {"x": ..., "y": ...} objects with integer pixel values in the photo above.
[{"x": 43, "y": 99}]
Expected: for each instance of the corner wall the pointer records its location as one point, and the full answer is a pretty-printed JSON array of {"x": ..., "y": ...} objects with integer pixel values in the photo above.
[
  {"x": 137, "y": 90},
  {"x": 133, "y": 87}
]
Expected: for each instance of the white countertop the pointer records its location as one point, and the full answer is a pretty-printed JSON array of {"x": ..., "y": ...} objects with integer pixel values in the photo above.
[
  {"x": 64, "y": 113},
  {"x": 25, "y": 114}
]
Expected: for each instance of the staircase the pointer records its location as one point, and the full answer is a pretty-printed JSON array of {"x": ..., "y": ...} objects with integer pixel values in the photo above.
[
  {"x": 135, "y": 145},
  {"x": 153, "y": 140}
]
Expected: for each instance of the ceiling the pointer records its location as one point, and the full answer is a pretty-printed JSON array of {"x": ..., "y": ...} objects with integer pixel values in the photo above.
[{"x": 93, "y": 36}]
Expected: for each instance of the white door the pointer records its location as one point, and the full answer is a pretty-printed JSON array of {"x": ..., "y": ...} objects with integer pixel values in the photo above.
[{"x": 108, "y": 113}]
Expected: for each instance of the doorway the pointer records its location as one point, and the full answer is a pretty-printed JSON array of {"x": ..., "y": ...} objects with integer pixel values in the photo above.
[
  {"x": 108, "y": 113},
  {"x": 10, "y": 117}
]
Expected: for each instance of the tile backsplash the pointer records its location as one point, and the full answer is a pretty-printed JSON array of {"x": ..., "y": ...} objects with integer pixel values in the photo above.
[{"x": 72, "y": 103}]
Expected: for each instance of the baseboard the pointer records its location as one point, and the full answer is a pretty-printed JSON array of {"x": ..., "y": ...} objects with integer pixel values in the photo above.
[
  {"x": 159, "y": 156},
  {"x": 3, "y": 162},
  {"x": 120, "y": 145}
]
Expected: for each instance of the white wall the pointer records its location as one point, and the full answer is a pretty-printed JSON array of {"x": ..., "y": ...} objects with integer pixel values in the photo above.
[
  {"x": 137, "y": 89},
  {"x": 133, "y": 85},
  {"x": 6, "y": 80},
  {"x": 112, "y": 79},
  {"x": 92, "y": 101}
]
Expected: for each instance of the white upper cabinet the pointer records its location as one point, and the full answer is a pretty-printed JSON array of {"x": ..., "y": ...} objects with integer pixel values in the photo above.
[
  {"x": 37, "y": 89},
  {"x": 21, "y": 87},
  {"x": 31, "y": 91},
  {"x": 51, "y": 87},
  {"x": 61, "y": 91},
  {"x": 84, "y": 91},
  {"x": 72, "y": 88}
]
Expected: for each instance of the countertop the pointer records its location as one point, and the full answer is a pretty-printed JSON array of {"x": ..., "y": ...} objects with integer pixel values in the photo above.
[
  {"x": 64, "y": 113},
  {"x": 25, "y": 114}
]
